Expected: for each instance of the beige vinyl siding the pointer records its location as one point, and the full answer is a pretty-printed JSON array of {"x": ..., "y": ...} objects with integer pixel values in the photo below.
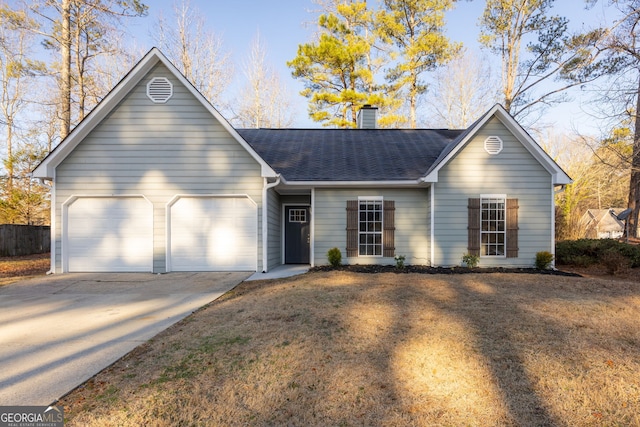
[
  {"x": 411, "y": 223},
  {"x": 159, "y": 151},
  {"x": 515, "y": 173}
]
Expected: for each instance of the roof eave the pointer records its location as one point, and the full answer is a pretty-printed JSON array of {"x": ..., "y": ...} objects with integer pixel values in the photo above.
[
  {"x": 387, "y": 183},
  {"x": 430, "y": 177}
]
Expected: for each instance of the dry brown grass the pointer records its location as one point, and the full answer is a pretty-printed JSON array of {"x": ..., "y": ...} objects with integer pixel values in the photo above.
[
  {"x": 17, "y": 268},
  {"x": 339, "y": 348}
]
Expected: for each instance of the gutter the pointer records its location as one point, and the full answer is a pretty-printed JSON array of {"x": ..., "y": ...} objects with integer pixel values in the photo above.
[
  {"x": 265, "y": 230},
  {"x": 351, "y": 184},
  {"x": 559, "y": 190}
]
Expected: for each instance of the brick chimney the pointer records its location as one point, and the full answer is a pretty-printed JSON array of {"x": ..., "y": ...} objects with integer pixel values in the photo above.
[{"x": 367, "y": 117}]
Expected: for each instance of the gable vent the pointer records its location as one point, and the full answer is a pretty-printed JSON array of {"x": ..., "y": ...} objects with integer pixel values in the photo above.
[
  {"x": 159, "y": 90},
  {"x": 493, "y": 145}
]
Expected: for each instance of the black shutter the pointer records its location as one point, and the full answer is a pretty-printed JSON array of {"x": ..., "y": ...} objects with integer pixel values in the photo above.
[
  {"x": 388, "y": 238},
  {"x": 512, "y": 228},
  {"x": 352, "y": 228},
  {"x": 473, "y": 243}
]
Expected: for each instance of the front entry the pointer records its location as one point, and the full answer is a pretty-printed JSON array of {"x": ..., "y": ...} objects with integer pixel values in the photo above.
[{"x": 296, "y": 234}]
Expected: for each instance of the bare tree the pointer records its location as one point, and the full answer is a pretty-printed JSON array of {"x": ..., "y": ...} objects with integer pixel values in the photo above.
[
  {"x": 196, "y": 51},
  {"x": 16, "y": 76},
  {"x": 458, "y": 97},
  {"x": 618, "y": 103},
  {"x": 600, "y": 180},
  {"x": 264, "y": 100},
  {"x": 107, "y": 70},
  {"x": 625, "y": 44},
  {"x": 77, "y": 31},
  {"x": 540, "y": 58}
]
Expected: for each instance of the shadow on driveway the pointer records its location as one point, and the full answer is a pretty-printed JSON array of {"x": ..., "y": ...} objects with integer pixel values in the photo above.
[{"x": 58, "y": 331}]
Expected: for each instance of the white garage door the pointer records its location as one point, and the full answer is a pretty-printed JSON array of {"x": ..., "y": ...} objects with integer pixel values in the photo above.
[
  {"x": 109, "y": 234},
  {"x": 213, "y": 234}
]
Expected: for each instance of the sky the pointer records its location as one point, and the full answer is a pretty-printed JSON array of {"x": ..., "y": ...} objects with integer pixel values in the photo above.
[
  {"x": 282, "y": 26},
  {"x": 285, "y": 24}
]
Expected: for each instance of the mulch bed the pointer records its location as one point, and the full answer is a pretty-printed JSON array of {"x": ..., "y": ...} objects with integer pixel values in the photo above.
[{"x": 423, "y": 269}]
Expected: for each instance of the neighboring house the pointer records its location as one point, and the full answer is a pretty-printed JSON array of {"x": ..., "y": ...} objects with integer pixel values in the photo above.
[
  {"x": 156, "y": 180},
  {"x": 603, "y": 223}
]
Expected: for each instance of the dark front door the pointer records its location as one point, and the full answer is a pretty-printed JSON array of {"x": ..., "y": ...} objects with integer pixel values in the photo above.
[{"x": 296, "y": 235}]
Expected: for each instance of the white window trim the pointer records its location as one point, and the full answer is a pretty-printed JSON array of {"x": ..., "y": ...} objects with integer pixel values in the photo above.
[
  {"x": 298, "y": 215},
  {"x": 494, "y": 196},
  {"x": 372, "y": 199}
]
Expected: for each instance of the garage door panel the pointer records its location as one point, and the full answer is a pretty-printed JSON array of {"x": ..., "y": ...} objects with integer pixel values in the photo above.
[
  {"x": 213, "y": 234},
  {"x": 110, "y": 234}
]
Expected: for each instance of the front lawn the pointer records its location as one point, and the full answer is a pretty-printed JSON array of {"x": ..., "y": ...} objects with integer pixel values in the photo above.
[{"x": 342, "y": 348}]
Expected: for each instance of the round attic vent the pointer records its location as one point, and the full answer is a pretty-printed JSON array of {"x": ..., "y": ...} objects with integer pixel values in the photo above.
[
  {"x": 493, "y": 145},
  {"x": 159, "y": 90}
]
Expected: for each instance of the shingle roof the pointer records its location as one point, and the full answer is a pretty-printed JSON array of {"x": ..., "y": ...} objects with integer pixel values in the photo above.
[{"x": 350, "y": 154}]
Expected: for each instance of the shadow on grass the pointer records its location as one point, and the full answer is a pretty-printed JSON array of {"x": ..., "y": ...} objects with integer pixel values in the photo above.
[{"x": 351, "y": 349}]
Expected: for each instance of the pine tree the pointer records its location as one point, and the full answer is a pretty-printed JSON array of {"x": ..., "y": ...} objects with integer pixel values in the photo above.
[
  {"x": 416, "y": 28},
  {"x": 338, "y": 69}
]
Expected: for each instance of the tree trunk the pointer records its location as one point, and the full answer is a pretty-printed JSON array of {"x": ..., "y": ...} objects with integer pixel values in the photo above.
[
  {"x": 65, "y": 70},
  {"x": 79, "y": 62},
  {"x": 413, "y": 102},
  {"x": 9, "y": 165},
  {"x": 634, "y": 184}
]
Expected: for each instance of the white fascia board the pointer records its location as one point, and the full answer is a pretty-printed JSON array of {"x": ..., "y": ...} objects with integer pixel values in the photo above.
[
  {"x": 432, "y": 177},
  {"x": 46, "y": 167}
]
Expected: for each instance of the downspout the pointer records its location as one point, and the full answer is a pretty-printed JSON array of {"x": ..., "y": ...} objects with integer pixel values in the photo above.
[
  {"x": 432, "y": 222},
  {"x": 52, "y": 213},
  {"x": 265, "y": 228},
  {"x": 554, "y": 192}
]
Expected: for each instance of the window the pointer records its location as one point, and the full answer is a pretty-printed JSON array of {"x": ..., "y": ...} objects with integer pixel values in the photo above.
[
  {"x": 370, "y": 227},
  {"x": 297, "y": 215},
  {"x": 492, "y": 226}
]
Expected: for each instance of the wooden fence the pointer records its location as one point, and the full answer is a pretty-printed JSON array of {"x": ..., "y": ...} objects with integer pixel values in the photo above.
[{"x": 16, "y": 240}]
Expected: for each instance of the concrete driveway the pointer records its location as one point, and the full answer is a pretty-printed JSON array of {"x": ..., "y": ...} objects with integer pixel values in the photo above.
[{"x": 58, "y": 331}]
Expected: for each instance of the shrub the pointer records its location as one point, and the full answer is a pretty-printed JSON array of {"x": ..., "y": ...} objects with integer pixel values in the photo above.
[
  {"x": 335, "y": 257},
  {"x": 470, "y": 261},
  {"x": 586, "y": 252},
  {"x": 399, "y": 261},
  {"x": 543, "y": 260},
  {"x": 614, "y": 261}
]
